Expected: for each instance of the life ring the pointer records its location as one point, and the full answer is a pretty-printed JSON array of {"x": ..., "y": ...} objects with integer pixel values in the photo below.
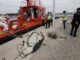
[
  {"x": 14, "y": 27},
  {"x": 3, "y": 26}
]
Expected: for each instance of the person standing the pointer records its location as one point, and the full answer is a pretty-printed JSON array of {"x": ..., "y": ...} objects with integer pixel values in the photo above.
[
  {"x": 75, "y": 23},
  {"x": 20, "y": 20},
  {"x": 48, "y": 20},
  {"x": 42, "y": 17},
  {"x": 51, "y": 16},
  {"x": 25, "y": 17},
  {"x": 64, "y": 19}
]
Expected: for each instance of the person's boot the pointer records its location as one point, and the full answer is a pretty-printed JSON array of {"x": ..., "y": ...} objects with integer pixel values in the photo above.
[
  {"x": 71, "y": 34},
  {"x": 64, "y": 27},
  {"x": 74, "y": 35}
]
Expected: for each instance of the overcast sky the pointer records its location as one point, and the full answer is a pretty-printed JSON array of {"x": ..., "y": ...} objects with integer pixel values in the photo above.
[{"x": 12, "y": 6}]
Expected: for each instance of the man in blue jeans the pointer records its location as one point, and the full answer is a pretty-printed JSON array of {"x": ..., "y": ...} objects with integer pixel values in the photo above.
[{"x": 65, "y": 18}]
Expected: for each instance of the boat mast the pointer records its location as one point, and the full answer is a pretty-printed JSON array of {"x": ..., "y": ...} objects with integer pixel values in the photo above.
[{"x": 28, "y": 3}]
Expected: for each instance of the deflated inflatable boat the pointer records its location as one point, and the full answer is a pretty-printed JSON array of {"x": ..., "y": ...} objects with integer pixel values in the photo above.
[{"x": 31, "y": 44}]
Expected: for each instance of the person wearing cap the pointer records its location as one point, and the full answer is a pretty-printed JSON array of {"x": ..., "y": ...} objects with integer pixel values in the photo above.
[{"x": 75, "y": 23}]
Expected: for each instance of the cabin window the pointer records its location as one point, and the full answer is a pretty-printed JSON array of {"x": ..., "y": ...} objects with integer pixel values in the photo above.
[
  {"x": 35, "y": 12},
  {"x": 32, "y": 12},
  {"x": 28, "y": 12}
]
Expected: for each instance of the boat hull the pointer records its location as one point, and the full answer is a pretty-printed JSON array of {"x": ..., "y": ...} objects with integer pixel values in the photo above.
[{"x": 9, "y": 37}]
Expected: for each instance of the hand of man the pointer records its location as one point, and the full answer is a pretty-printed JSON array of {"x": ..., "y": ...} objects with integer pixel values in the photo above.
[{"x": 76, "y": 23}]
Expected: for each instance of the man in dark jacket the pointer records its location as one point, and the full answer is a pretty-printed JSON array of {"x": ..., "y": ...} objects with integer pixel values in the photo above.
[{"x": 75, "y": 23}]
